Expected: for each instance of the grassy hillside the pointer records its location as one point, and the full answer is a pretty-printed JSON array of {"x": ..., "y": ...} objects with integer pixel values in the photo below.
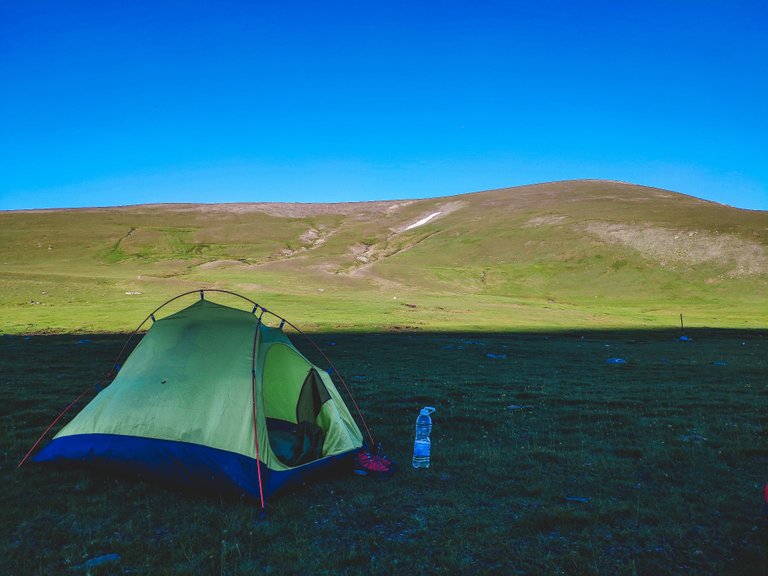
[{"x": 564, "y": 254}]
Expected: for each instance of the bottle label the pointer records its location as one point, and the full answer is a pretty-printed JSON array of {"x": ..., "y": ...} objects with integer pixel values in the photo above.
[{"x": 421, "y": 449}]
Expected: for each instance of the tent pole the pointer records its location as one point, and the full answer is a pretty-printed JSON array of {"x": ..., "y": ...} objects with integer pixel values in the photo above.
[
  {"x": 112, "y": 372},
  {"x": 253, "y": 406},
  {"x": 341, "y": 378},
  {"x": 52, "y": 424}
]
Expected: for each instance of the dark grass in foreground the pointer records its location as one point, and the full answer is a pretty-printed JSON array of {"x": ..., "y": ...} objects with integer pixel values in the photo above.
[{"x": 548, "y": 458}]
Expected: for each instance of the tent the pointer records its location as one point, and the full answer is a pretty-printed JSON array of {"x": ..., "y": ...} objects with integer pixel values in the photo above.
[{"x": 213, "y": 398}]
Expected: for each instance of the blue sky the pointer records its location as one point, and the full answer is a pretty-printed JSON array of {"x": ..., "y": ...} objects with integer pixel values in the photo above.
[{"x": 109, "y": 103}]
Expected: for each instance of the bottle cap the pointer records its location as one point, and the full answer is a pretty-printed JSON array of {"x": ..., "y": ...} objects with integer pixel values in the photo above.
[{"x": 427, "y": 410}]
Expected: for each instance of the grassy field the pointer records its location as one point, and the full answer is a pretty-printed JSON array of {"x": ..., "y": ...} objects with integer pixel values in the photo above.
[
  {"x": 549, "y": 457},
  {"x": 579, "y": 254}
]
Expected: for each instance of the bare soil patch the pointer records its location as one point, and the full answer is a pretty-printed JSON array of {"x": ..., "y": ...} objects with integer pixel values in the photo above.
[{"x": 674, "y": 247}]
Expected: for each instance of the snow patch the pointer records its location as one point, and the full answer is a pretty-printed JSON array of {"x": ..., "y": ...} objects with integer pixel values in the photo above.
[{"x": 423, "y": 220}]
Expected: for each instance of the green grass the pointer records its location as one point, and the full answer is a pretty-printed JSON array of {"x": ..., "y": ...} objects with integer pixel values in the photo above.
[
  {"x": 669, "y": 451},
  {"x": 584, "y": 254}
]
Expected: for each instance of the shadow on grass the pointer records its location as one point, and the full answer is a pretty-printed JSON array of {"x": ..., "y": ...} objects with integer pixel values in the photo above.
[{"x": 582, "y": 452}]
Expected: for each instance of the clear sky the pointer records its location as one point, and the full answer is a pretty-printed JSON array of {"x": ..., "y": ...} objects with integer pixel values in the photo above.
[{"x": 106, "y": 102}]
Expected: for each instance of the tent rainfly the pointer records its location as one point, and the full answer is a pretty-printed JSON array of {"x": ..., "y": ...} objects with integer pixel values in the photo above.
[{"x": 214, "y": 399}]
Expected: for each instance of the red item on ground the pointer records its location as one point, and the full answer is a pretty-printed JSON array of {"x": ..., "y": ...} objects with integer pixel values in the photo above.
[{"x": 375, "y": 464}]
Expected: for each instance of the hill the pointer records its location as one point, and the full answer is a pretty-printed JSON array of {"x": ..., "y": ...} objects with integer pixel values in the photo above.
[{"x": 585, "y": 253}]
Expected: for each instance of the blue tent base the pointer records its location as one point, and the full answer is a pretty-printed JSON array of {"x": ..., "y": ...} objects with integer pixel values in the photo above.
[{"x": 179, "y": 464}]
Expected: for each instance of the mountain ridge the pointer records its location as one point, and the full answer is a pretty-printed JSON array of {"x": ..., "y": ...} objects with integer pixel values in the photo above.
[{"x": 347, "y": 206}]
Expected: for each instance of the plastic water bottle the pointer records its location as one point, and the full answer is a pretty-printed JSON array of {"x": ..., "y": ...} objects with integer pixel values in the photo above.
[{"x": 422, "y": 445}]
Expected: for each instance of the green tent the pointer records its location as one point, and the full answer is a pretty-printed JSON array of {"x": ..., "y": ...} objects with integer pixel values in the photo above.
[{"x": 213, "y": 398}]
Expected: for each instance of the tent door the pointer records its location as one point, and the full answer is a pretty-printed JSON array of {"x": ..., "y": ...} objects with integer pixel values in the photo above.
[{"x": 303, "y": 442}]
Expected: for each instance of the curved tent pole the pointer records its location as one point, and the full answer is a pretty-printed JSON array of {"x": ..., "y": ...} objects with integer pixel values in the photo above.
[
  {"x": 310, "y": 340},
  {"x": 256, "y": 307},
  {"x": 341, "y": 378},
  {"x": 163, "y": 305},
  {"x": 110, "y": 375}
]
